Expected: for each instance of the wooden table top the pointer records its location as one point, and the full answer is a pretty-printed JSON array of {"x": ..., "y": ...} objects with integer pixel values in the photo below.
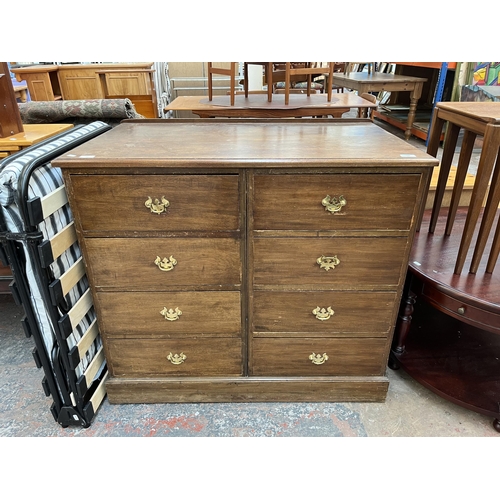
[
  {"x": 259, "y": 101},
  {"x": 484, "y": 111},
  {"x": 364, "y": 77},
  {"x": 32, "y": 134}
]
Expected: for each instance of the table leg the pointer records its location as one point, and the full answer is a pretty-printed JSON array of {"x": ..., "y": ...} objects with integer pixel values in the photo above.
[
  {"x": 432, "y": 149},
  {"x": 490, "y": 211},
  {"x": 462, "y": 168},
  {"x": 450, "y": 144},
  {"x": 414, "y": 97},
  {"x": 484, "y": 169}
]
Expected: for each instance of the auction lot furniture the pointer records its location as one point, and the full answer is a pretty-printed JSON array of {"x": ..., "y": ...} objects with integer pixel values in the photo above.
[
  {"x": 258, "y": 106},
  {"x": 376, "y": 82},
  {"x": 32, "y": 134},
  {"x": 75, "y": 82},
  {"x": 448, "y": 334},
  {"x": 246, "y": 260},
  {"x": 475, "y": 118},
  {"x": 38, "y": 243}
]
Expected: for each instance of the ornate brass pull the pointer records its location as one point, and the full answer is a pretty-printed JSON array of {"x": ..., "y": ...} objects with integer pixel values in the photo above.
[
  {"x": 157, "y": 206},
  {"x": 171, "y": 314},
  {"x": 165, "y": 264},
  {"x": 328, "y": 263},
  {"x": 318, "y": 359},
  {"x": 323, "y": 314},
  {"x": 177, "y": 359},
  {"x": 333, "y": 205}
]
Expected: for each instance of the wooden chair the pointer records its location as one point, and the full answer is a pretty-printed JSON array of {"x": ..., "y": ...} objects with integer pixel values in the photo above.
[
  {"x": 231, "y": 72},
  {"x": 362, "y": 111}
]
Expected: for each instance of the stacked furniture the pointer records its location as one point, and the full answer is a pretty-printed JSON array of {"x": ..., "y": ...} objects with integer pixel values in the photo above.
[
  {"x": 38, "y": 242},
  {"x": 246, "y": 260}
]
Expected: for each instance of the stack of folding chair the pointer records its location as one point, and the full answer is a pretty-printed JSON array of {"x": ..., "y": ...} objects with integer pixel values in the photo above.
[{"x": 38, "y": 242}]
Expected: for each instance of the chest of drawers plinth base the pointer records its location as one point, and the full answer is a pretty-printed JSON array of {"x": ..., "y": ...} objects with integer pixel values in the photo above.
[
  {"x": 246, "y": 260},
  {"x": 247, "y": 390}
]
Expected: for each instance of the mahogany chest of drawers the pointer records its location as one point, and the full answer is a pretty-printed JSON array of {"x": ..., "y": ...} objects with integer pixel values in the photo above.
[{"x": 246, "y": 260}]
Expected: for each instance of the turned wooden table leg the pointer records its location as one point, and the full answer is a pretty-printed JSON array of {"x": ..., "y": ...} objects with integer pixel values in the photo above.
[
  {"x": 414, "y": 97},
  {"x": 403, "y": 323}
]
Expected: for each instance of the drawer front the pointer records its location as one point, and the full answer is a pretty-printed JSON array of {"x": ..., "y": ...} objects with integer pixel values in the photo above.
[
  {"x": 129, "y": 264},
  {"x": 195, "y": 202},
  {"x": 170, "y": 314},
  {"x": 340, "y": 313},
  {"x": 292, "y": 357},
  {"x": 362, "y": 262},
  {"x": 176, "y": 357},
  {"x": 371, "y": 201}
]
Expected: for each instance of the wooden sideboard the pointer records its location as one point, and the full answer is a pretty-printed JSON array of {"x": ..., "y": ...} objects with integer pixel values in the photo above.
[
  {"x": 93, "y": 81},
  {"x": 246, "y": 260}
]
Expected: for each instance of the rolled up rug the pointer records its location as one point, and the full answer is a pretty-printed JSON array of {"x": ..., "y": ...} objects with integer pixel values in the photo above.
[{"x": 107, "y": 110}]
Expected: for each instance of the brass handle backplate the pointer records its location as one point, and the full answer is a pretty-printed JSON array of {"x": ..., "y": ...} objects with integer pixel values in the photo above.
[
  {"x": 165, "y": 264},
  {"x": 171, "y": 314},
  {"x": 177, "y": 359},
  {"x": 318, "y": 359},
  {"x": 323, "y": 314},
  {"x": 157, "y": 206},
  {"x": 328, "y": 263},
  {"x": 333, "y": 205}
]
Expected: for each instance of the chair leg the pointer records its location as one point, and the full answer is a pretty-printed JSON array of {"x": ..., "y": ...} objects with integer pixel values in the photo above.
[
  {"x": 287, "y": 83},
  {"x": 210, "y": 90}
]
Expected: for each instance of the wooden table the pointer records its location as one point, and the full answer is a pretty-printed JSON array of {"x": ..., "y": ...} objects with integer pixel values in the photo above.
[
  {"x": 376, "y": 82},
  {"x": 33, "y": 133},
  {"x": 258, "y": 106},
  {"x": 476, "y": 118},
  {"x": 448, "y": 333}
]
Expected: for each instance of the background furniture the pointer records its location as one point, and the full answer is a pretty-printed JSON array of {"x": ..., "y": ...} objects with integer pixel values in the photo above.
[
  {"x": 32, "y": 134},
  {"x": 38, "y": 243},
  {"x": 258, "y": 106},
  {"x": 481, "y": 118},
  {"x": 10, "y": 121},
  {"x": 92, "y": 81},
  {"x": 231, "y": 72},
  {"x": 448, "y": 332},
  {"x": 440, "y": 85},
  {"x": 376, "y": 82},
  {"x": 236, "y": 275}
]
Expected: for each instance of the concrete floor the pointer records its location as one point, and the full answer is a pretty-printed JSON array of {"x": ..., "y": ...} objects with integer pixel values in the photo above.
[{"x": 410, "y": 410}]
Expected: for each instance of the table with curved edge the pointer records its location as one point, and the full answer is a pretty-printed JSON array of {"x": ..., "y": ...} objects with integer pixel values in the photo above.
[
  {"x": 447, "y": 336},
  {"x": 475, "y": 118}
]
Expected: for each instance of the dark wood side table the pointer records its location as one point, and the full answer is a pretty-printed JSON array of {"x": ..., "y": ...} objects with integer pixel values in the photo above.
[
  {"x": 376, "y": 82},
  {"x": 475, "y": 118},
  {"x": 447, "y": 335}
]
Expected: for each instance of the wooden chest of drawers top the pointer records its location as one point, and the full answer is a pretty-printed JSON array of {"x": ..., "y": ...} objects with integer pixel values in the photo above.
[{"x": 258, "y": 144}]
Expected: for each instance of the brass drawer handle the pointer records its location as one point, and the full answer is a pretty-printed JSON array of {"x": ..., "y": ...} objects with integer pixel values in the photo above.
[
  {"x": 328, "y": 263},
  {"x": 177, "y": 359},
  {"x": 318, "y": 359},
  {"x": 171, "y": 314},
  {"x": 333, "y": 205},
  {"x": 157, "y": 206},
  {"x": 165, "y": 264},
  {"x": 323, "y": 314}
]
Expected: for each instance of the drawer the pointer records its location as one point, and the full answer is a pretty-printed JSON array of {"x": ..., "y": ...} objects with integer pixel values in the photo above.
[
  {"x": 117, "y": 202},
  {"x": 463, "y": 311},
  {"x": 341, "y": 313},
  {"x": 129, "y": 263},
  {"x": 176, "y": 357},
  {"x": 292, "y": 357},
  {"x": 170, "y": 314},
  {"x": 362, "y": 262},
  {"x": 371, "y": 201}
]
